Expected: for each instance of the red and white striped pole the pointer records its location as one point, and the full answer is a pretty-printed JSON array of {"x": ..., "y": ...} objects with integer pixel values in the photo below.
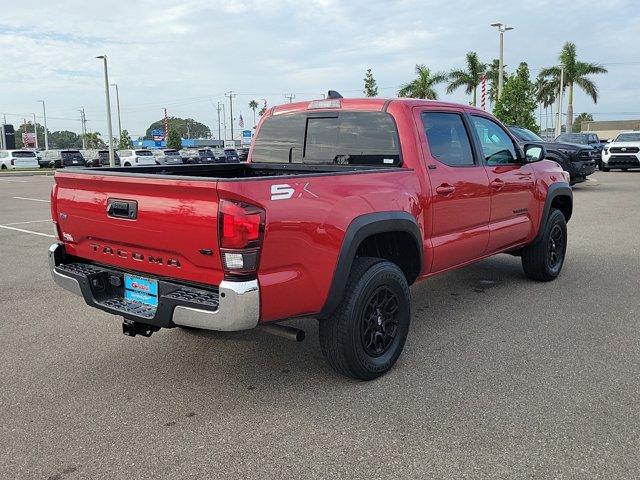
[
  {"x": 166, "y": 126},
  {"x": 483, "y": 98}
]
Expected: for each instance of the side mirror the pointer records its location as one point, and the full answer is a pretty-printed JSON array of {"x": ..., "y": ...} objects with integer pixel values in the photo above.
[{"x": 534, "y": 152}]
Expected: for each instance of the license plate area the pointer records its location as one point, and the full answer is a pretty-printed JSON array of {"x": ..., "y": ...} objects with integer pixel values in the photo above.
[{"x": 141, "y": 290}]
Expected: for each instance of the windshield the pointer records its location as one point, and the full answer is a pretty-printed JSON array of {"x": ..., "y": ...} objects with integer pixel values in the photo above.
[
  {"x": 572, "y": 138},
  {"x": 144, "y": 153},
  {"x": 628, "y": 137},
  {"x": 525, "y": 135},
  {"x": 171, "y": 152},
  {"x": 205, "y": 153},
  {"x": 71, "y": 155},
  {"x": 24, "y": 154}
]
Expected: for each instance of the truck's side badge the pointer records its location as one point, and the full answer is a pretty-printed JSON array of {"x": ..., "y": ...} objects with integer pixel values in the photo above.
[{"x": 285, "y": 191}]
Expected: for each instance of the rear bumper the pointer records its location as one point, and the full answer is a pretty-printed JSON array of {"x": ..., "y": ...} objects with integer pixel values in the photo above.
[{"x": 232, "y": 306}]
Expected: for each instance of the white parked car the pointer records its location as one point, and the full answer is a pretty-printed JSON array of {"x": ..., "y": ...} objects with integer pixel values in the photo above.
[
  {"x": 623, "y": 152},
  {"x": 168, "y": 156},
  {"x": 13, "y": 159},
  {"x": 133, "y": 158}
]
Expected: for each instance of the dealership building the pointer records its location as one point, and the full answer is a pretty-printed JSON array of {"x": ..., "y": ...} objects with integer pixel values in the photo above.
[{"x": 609, "y": 129}]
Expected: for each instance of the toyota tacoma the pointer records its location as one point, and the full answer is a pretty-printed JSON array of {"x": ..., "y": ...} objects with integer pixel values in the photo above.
[{"x": 342, "y": 205}]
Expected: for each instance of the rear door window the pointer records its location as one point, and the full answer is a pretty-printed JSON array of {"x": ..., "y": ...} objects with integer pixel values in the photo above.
[
  {"x": 331, "y": 138},
  {"x": 71, "y": 155},
  {"x": 448, "y": 138},
  {"x": 23, "y": 154}
]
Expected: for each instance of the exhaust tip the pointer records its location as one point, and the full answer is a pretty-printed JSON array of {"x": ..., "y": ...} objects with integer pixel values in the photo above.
[{"x": 284, "y": 331}]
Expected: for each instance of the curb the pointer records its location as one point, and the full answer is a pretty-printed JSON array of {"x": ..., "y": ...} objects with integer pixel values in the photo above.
[{"x": 26, "y": 174}]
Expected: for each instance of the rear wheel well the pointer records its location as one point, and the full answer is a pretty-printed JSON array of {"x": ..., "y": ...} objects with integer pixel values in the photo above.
[
  {"x": 564, "y": 204},
  {"x": 397, "y": 247}
]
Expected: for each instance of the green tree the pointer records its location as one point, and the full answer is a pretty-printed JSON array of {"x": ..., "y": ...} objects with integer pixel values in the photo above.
[
  {"x": 263, "y": 110},
  {"x": 186, "y": 128},
  {"x": 93, "y": 140},
  {"x": 125, "y": 141},
  {"x": 175, "y": 140},
  {"x": 370, "y": 84},
  {"x": 575, "y": 73},
  {"x": 64, "y": 139},
  {"x": 583, "y": 117},
  {"x": 545, "y": 96},
  {"x": 29, "y": 129},
  {"x": 469, "y": 78},
  {"x": 253, "y": 105},
  {"x": 517, "y": 104},
  {"x": 493, "y": 74},
  {"x": 424, "y": 85}
]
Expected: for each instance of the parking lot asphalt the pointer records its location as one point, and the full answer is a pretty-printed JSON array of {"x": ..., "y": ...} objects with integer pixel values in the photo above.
[{"x": 501, "y": 376}]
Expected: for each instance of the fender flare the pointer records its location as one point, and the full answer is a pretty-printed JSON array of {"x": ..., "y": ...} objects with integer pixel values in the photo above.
[
  {"x": 560, "y": 189},
  {"x": 358, "y": 230}
]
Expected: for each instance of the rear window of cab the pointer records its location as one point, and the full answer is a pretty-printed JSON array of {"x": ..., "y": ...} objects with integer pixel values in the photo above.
[{"x": 329, "y": 138}]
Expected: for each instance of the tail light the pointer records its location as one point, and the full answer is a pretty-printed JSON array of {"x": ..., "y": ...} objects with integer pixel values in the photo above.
[
  {"x": 54, "y": 212},
  {"x": 241, "y": 229}
]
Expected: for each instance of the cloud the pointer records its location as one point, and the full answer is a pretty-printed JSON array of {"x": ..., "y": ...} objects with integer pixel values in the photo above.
[{"x": 186, "y": 54}]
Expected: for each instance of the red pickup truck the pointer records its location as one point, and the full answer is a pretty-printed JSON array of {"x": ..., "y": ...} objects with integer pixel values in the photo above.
[{"x": 343, "y": 204}]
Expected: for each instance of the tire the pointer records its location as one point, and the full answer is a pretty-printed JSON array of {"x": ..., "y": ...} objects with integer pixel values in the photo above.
[
  {"x": 4, "y": 167},
  {"x": 358, "y": 348},
  {"x": 543, "y": 260},
  {"x": 623, "y": 169},
  {"x": 127, "y": 164},
  {"x": 605, "y": 169}
]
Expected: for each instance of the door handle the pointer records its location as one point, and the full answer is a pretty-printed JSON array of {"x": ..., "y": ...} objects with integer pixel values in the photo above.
[
  {"x": 496, "y": 184},
  {"x": 445, "y": 190}
]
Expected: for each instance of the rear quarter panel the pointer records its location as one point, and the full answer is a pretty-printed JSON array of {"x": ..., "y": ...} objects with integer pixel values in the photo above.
[{"x": 304, "y": 234}]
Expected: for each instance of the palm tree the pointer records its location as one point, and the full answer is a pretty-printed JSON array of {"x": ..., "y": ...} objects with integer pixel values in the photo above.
[
  {"x": 545, "y": 96},
  {"x": 423, "y": 85},
  {"x": 575, "y": 73},
  {"x": 253, "y": 105},
  {"x": 470, "y": 78},
  {"x": 492, "y": 72}
]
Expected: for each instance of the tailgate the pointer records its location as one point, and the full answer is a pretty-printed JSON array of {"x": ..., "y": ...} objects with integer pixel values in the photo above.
[{"x": 173, "y": 232}]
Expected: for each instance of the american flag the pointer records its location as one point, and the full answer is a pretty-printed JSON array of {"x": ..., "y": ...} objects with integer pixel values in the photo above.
[{"x": 241, "y": 121}]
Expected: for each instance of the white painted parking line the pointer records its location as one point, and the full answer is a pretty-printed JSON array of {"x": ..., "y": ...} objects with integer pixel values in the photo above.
[
  {"x": 32, "y": 199},
  {"x": 24, "y": 223},
  {"x": 13, "y": 181},
  {"x": 6, "y": 227}
]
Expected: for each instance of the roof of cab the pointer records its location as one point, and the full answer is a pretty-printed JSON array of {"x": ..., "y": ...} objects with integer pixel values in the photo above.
[{"x": 369, "y": 104}]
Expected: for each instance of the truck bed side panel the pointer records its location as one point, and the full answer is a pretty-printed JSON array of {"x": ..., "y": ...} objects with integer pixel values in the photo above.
[{"x": 304, "y": 233}]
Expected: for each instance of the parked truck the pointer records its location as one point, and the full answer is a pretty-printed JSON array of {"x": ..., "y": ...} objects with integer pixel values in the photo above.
[{"x": 343, "y": 204}]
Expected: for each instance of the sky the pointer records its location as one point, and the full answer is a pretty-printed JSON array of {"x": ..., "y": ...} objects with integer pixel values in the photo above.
[{"x": 185, "y": 55}]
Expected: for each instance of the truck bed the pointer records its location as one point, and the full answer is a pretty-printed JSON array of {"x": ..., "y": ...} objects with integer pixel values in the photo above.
[{"x": 232, "y": 171}]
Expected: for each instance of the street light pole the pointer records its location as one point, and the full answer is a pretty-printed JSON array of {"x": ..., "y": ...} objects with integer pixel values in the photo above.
[
  {"x": 501, "y": 28},
  {"x": 118, "y": 105},
  {"x": 35, "y": 130},
  {"x": 218, "y": 109},
  {"x": 230, "y": 96},
  {"x": 560, "y": 99},
  {"x": 224, "y": 121},
  {"x": 46, "y": 134},
  {"x": 112, "y": 162}
]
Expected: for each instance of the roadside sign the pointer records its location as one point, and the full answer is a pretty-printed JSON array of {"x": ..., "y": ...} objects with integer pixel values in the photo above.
[
  {"x": 158, "y": 136},
  {"x": 246, "y": 137}
]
